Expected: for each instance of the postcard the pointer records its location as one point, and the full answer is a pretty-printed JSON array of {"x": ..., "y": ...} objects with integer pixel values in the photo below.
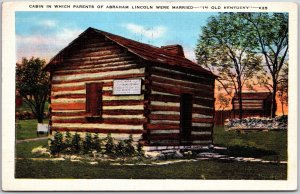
[{"x": 149, "y": 96}]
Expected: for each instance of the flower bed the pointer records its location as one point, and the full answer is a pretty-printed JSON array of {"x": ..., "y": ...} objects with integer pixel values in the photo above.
[
  {"x": 257, "y": 123},
  {"x": 25, "y": 115}
]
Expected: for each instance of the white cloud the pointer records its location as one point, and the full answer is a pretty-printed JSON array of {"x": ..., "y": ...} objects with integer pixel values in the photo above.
[
  {"x": 189, "y": 53},
  {"x": 44, "y": 45},
  {"x": 48, "y": 23},
  {"x": 151, "y": 32}
]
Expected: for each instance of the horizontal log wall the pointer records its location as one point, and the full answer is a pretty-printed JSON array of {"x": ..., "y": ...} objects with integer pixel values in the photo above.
[
  {"x": 249, "y": 104},
  {"x": 97, "y": 60},
  {"x": 167, "y": 85}
]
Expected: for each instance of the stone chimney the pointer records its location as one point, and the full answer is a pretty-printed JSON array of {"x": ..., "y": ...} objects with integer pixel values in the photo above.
[{"x": 175, "y": 49}]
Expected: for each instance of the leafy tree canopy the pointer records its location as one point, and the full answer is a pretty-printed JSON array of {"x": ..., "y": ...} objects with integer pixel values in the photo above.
[
  {"x": 33, "y": 85},
  {"x": 233, "y": 45},
  {"x": 226, "y": 48},
  {"x": 271, "y": 31}
]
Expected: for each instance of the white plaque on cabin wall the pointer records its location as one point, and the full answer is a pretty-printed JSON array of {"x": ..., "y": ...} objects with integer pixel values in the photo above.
[{"x": 127, "y": 87}]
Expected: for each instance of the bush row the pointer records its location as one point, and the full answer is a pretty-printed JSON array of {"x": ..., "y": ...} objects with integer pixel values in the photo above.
[
  {"x": 24, "y": 115},
  {"x": 74, "y": 144}
]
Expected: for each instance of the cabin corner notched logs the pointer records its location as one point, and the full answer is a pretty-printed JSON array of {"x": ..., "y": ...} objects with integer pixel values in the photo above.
[{"x": 175, "y": 105}]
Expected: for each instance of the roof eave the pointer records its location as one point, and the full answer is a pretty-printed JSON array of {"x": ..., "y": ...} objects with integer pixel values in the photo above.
[{"x": 50, "y": 63}]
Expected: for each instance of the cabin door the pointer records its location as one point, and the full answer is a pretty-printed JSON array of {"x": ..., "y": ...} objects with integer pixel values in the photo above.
[{"x": 186, "y": 105}]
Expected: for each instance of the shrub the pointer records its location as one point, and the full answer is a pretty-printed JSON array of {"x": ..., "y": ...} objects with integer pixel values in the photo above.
[
  {"x": 140, "y": 151},
  {"x": 121, "y": 148},
  {"x": 56, "y": 144},
  {"x": 68, "y": 143},
  {"x": 96, "y": 143},
  {"x": 76, "y": 146},
  {"x": 24, "y": 115},
  {"x": 110, "y": 146},
  {"x": 125, "y": 147},
  {"x": 87, "y": 143},
  {"x": 129, "y": 148}
]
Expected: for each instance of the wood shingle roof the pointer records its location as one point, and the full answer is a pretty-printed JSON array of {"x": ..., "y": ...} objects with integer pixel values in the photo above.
[{"x": 142, "y": 50}]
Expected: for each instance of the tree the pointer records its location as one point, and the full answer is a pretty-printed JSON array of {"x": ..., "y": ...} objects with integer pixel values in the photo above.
[
  {"x": 283, "y": 88},
  {"x": 33, "y": 85},
  {"x": 271, "y": 31},
  {"x": 223, "y": 101},
  {"x": 226, "y": 48}
]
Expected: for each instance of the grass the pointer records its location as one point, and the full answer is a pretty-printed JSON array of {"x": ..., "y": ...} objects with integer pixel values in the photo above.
[
  {"x": 271, "y": 145},
  {"x": 185, "y": 170},
  {"x": 25, "y": 107},
  {"x": 266, "y": 145},
  {"x": 23, "y": 150},
  {"x": 26, "y": 129}
]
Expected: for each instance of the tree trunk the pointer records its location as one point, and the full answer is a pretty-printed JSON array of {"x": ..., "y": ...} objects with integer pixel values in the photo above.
[
  {"x": 39, "y": 114},
  {"x": 40, "y": 117},
  {"x": 240, "y": 99},
  {"x": 222, "y": 121},
  {"x": 273, "y": 107},
  {"x": 240, "y": 104},
  {"x": 282, "y": 108}
]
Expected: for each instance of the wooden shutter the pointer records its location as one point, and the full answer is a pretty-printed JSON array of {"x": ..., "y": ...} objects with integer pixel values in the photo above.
[{"x": 94, "y": 98}]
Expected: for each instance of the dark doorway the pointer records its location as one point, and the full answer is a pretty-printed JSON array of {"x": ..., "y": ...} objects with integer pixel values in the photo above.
[{"x": 186, "y": 105}]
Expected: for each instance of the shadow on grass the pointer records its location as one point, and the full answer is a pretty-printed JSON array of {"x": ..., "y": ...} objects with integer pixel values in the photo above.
[{"x": 246, "y": 151}]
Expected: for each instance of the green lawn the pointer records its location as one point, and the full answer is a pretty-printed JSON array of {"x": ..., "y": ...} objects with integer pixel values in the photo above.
[
  {"x": 26, "y": 129},
  {"x": 25, "y": 107},
  {"x": 184, "y": 170},
  {"x": 266, "y": 145},
  {"x": 270, "y": 145},
  {"x": 23, "y": 150}
]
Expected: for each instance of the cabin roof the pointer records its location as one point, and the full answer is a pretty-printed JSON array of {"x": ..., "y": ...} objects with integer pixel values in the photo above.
[
  {"x": 254, "y": 95},
  {"x": 142, "y": 50}
]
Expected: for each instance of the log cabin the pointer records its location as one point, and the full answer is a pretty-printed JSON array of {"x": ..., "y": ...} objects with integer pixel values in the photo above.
[
  {"x": 104, "y": 83},
  {"x": 254, "y": 104}
]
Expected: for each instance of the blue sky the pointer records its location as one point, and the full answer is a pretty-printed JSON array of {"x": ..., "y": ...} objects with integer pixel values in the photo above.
[{"x": 43, "y": 34}]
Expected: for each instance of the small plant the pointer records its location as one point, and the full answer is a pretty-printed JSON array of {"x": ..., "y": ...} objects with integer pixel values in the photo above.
[
  {"x": 56, "y": 144},
  {"x": 139, "y": 149},
  {"x": 96, "y": 143},
  {"x": 87, "y": 143},
  {"x": 110, "y": 146},
  {"x": 68, "y": 143},
  {"x": 129, "y": 148},
  {"x": 76, "y": 143},
  {"x": 121, "y": 148}
]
